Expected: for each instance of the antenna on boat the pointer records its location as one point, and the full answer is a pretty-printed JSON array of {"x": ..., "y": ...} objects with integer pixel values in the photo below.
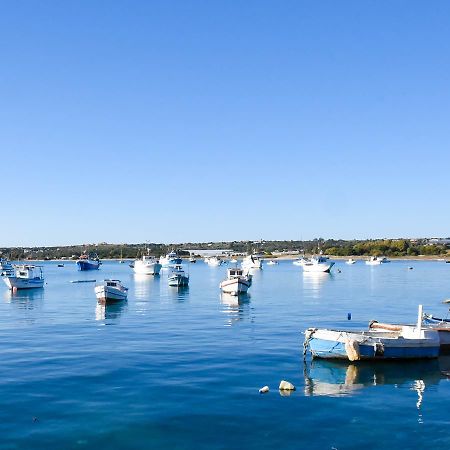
[{"x": 419, "y": 319}]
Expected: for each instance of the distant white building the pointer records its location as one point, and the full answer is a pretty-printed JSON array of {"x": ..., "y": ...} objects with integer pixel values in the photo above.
[{"x": 439, "y": 241}]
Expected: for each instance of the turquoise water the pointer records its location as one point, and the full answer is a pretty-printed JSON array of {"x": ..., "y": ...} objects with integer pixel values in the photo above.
[{"x": 176, "y": 369}]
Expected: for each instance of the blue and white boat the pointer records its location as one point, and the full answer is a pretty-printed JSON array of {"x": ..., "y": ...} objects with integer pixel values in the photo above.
[
  {"x": 317, "y": 264},
  {"x": 6, "y": 268},
  {"x": 89, "y": 262},
  {"x": 171, "y": 259},
  {"x": 406, "y": 343},
  {"x": 25, "y": 276},
  {"x": 178, "y": 277}
]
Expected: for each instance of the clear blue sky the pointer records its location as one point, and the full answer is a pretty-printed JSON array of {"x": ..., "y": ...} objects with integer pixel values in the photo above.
[{"x": 170, "y": 121}]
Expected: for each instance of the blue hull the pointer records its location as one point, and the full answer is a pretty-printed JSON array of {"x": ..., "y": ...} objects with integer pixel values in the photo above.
[
  {"x": 88, "y": 265},
  {"x": 321, "y": 348},
  {"x": 175, "y": 261}
]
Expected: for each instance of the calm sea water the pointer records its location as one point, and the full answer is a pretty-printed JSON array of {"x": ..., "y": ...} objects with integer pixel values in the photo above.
[{"x": 176, "y": 369}]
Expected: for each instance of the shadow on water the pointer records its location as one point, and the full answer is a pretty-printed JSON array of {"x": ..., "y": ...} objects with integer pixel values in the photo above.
[
  {"x": 341, "y": 378},
  {"x": 107, "y": 311},
  {"x": 237, "y": 307},
  {"x": 25, "y": 298},
  {"x": 180, "y": 294}
]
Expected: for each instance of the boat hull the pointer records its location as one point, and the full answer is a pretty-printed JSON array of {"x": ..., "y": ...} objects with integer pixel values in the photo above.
[
  {"x": 88, "y": 265},
  {"x": 319, "y": 267},
  {"x": 178, "y": 280},
  {"x": 147, "y": 269},
  {"x": 23, "y": 283},
  {"x": 109, "y": 294},
  {"x": 235, "y": 287},
  {"x": 331, "y": 344}
]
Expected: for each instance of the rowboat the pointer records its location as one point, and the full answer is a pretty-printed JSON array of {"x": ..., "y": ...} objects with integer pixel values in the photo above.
[
  {"x": 408, "y": 342},
  {"x": 111, "y": 291},
  {"x": 236, "y": 282}
]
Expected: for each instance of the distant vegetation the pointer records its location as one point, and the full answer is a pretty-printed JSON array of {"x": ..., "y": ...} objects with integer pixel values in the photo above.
[{"x": 387, "y": 247}]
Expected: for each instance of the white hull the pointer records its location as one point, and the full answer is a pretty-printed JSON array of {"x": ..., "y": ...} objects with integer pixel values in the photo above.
[
  {"x": 107, "y": 293},
  {"x": 249, "y": 263},
  {"x": 374, "y": 263},
  {"x": 350, "y": 261},
  {"x": 23, "y": 283},
  {"x": 178, "y": 280},
  {"x": 299, "y": 262},
  {"x": 146, "y": 268},
  {"x": 318, "y": 267},
  {"x": 236, "y": 286}
]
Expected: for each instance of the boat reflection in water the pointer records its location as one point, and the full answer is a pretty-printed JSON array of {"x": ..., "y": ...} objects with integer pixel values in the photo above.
[
  {"x": 110, "y": 311},
  {"x": 236, "y": 307},
  {"x": 313, "y": 281},
  {"x": 340, "y": 378},
  {"x": 180, "y": 294},
  {"x": 25, "y": 298},
  {"x": 145, "y": 285}
]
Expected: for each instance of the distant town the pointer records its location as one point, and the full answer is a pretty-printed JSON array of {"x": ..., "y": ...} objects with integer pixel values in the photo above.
[{"x": 389, "y": 247}]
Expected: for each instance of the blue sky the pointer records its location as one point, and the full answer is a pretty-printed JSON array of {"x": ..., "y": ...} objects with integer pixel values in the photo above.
[{"x": 176, "y": 121}]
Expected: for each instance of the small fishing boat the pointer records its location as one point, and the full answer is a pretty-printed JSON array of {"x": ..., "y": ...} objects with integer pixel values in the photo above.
[
  {"x": 178, "y": 277},
  {"x": 373, "y": 261},
  {"x": 271, "y": 262},
  {"x": 251, "y": 262},
  {"x": 192, "y": 259},
  {"x": 236, "y": 282},
  {"x": 147, "y": 265},
  {"x": 111, "y": 291},
  {"x": 350, "y": 261},
  {"x": 407, "y": 343},
  {"x": 299, "y": 261},
  {"x": 60, "y": 265},
  {"x": 6, "y": 268},
  {"x": 25, "y": 276},
  {"x": 89, "y": 261},
  {"x": 170, "y": 259},
  {"x": 213, "y": 261},
  {"x": 317, "y": 264}
]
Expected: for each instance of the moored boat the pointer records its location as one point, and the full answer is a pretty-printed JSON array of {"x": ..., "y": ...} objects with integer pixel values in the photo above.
[
  {"x": 25, "y": 276},
  {"x": 178, "y": 277},
  {"x": 89, "y": 261},
  {"x": 6, "y": 268},
  {"x": 251, "y": 262},
  {"x": 213, "y": 261},
  {"x": 408, "y": 342},
  {"x": 111, "y": 291},
  {"x": 317, "y": 264},
  {"x": 170, "y": 259},
  {"x": 374, "y": 261},
  {"x": 147, "y": 265},
  {"x": 350, "y": 261},
  {"x": 236, "y": 282},
  {"x": 272, "y": 262}
]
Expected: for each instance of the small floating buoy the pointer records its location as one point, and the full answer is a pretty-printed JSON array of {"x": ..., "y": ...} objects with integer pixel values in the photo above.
[
  {"x": 35, "y": 419},
  {"x": 410, "y": 268},
  {"x": 264, "y": 389},
  {"x": 286, "y": 386},
  {"x": 349, "y": 316}
]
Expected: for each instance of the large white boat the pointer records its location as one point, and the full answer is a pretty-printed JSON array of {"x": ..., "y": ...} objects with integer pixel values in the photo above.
[
  {"x": 178, "y": 277},
  {"x": 213, "y": 261},
  {"x": 25, "y": 276},
  {"x": 147, "y": 265},
  {"x": 251, "y": 262},
  {"x": 171, "y": 259},
  {"x": 374, "y": 261},
  {"x": 236, "y": 282},
  {"x": 317, "y": 264},
  {"x": 111, "y": 291}
]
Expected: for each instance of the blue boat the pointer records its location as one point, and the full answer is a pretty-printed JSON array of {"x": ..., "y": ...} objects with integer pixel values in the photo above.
[
  {"x": 408, "y": 342},
  {"x": 88, "y": 262}
]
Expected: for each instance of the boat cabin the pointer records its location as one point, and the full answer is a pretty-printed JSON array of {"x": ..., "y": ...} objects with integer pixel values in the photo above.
[
  {"x": 235, "y": 273},
  {"x": 28, "y": 272}
]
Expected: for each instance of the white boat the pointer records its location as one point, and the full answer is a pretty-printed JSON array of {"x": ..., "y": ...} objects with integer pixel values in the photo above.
[
  {"x": 350, "y": 261},
  {"x": 25, "y": 276},
  {"x": 317, "y": 264},
  {"x": 147, "y": 265},
  {"x": 374, "y": 261},
  {"x": 251, "y": 262},
  {"x": 236, "y": 282},
  {"x": 272, "y": 262},
  {"x": 178, "y": 277},
  {"x": 111, "y": 291},
  {"x": 408, "y": 342},
  {"x": 299, "y": 261},
  {"x": 170, "y": 259},
  {"x": 213, "y": 261}
]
